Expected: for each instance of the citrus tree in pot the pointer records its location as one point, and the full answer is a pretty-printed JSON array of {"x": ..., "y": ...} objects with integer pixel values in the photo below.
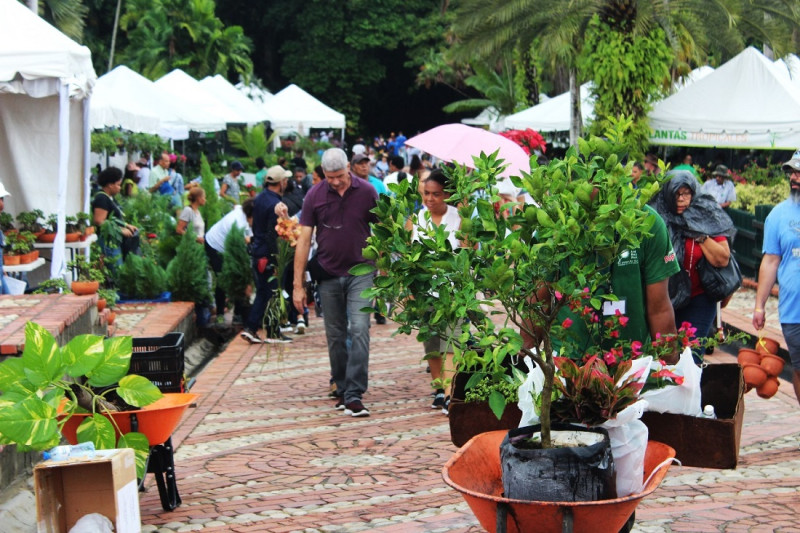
[{"x": 520, "y": 269}]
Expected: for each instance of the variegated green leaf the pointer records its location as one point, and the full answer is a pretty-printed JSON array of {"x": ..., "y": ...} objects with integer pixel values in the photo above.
[
  {"x": 99, "y": 430},
  {"x": 10, "y": 373},
  {"x": 138, "y": 391},
  {"x": 114, "y": 364},
  {"x": 29, "y": 421},
  {"x": 82, "y": 354},
  {"x": 41, "y": 356},
  {"x": 141, "y": 448}
]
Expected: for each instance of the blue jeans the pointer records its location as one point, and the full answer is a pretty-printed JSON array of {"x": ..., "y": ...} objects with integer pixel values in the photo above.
[
  {"x": 700, "y": 313},
  {"x": 342, "y": 301},
  {"x": 3, "y": 286}
]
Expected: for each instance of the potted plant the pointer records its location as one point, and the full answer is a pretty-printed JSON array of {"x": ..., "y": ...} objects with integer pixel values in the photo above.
[
  {"x": 6, "y": 222},
  {"x": 53, "y": 286},
  {"x": 187, "y": 276},
  {"x": 21, "y": 245},
  {"x": 84, "y": 225},
  {"x": 141, "y": 278},
  {"x": 521, "y": 269},
  {"x": 89, "y": 274},
  {"x": 49, "y": 385},
  {"x": 31, "y": 221},
  {"x": 50, "y": 227},
  {"x": 106, "y": 298},
  {"x": 71, "y": 230}
]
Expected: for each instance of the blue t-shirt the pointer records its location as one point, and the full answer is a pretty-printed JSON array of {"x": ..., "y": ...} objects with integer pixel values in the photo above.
[
  {"x": 380, "y": 187},
  {"x": 782, "y": 237}
]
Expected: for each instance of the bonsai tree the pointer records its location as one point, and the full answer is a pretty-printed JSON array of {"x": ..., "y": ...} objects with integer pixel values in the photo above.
[
  {"x": 6, "y": 221},
  {"x": 87, "y": 270},
  {"x": 51, "y": 223},
  {"x": 48, "y": 384},
  {"x": 53, "y": 286},
  {"x": 30, "y": 220},
  {"x": 21, "y": 242},
  {"x": 71, "y": 224},
  {"x": 521, "y": 267},
  {"x": 83, "y": 221}
]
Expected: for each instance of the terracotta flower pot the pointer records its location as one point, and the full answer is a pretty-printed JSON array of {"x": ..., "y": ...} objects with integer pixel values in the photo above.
[
  {"x": 748, "y": 356},
  {"x": 89, "y": 230},
  {"x": 112, "y": 316},
  {"x": 24, "y": 259},
  {"x": 767, "y": 345},
  {"x": 11, "y": 260},
  {"x": 82, "y": 288},
  {"x": 754, "y": 375},
  {"x": 772, "y": 364},
  {"x": 768, "y": 388},
  {"x": 101, "y": 304},
  {"x": 73, "y": 237},
  {"x": 46, "y": 237}
]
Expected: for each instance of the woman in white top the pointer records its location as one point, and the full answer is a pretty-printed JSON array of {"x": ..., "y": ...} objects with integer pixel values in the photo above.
[
  {"x": 436, "y": 212},
  {"x": 191, "y": 214}
]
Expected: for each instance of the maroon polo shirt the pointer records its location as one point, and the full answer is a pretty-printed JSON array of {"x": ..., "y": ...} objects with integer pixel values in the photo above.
[{"x": 342, "y": 223}]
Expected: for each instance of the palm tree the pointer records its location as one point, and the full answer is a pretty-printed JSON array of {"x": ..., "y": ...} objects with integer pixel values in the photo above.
[
  {"x": 497, "y": 88},
  {"x": 66, "y": 15},
  {"x": 693, "y": 28}
]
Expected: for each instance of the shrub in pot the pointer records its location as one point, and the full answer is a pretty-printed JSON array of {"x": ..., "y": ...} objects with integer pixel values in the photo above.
[
  {"x": 187, "y": 276},
  {"x": 30, "y": 220},
  {"x": 140, "y": 277}
]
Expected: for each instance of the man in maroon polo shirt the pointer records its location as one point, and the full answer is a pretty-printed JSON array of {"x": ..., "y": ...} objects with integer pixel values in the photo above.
[{"x": 339, "y": 209}]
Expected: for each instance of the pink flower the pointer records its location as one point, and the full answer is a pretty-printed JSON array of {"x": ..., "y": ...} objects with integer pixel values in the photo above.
[
  {"x": 636, "y": 348},
  {"x": 614, "y": 334},
  {"x": 566, "y": 323},
  {"x": 609, "y": 358},
  {"x": 558, "y": 295},
  {"x": 623, "y": 321}
]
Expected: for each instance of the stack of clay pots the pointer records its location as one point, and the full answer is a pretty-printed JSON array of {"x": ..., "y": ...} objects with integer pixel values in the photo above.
[{"x": 761, "y": 367}]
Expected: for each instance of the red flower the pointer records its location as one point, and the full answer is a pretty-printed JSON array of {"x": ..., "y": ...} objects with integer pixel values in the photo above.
[{"x": 566, "y": 323}]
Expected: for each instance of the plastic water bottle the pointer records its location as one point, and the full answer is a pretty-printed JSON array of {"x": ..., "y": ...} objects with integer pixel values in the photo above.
[
  {"x": 708, "y": 412},
  {"x": 59, "y": 453}
]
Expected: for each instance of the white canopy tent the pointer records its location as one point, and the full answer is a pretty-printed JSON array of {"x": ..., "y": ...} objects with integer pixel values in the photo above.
[
  {"x": 742, "y": 104},
  {"x": 125, "y": 99},
  {"x": 488, "y": 117},
  {"x": 789, "y": 66},
  {"x": 45, "y": 83},
  {"x": 293, "y": 109},
  {"x": 554, "y": 114},
  {"x": 258, "y": 95},
  {"x": 185, "y": 87},
  {"x": 694, "y": 76},
  {"x": 224, "y": 91}
]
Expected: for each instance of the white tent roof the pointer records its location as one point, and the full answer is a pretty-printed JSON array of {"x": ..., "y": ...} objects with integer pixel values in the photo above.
[
  {"x": 226, "y": 92},
  {"x": 789, "y": 66},
  {"x": 554, "y": 114},
  {"x": 694, "y": 76},
  {"x": 255, "y": 93},
  {"x": 35, "y": 57},
  {"x": 185, "y": 87},
  {"x": 742, "y": 104},
  {"x": 123, "y": 92},
  {"x": 488, "y": 117},
  {"x": 294, "y": 109}
]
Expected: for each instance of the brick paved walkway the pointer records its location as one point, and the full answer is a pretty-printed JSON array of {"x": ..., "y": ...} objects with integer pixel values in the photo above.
[{"x": 264, "y": 450}]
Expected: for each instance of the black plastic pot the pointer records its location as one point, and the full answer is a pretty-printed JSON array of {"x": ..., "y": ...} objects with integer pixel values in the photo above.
[{"x": 566, "y": 473}]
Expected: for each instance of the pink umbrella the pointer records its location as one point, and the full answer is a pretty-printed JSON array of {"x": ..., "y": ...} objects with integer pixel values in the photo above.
[{"x": 459, "y": 143}]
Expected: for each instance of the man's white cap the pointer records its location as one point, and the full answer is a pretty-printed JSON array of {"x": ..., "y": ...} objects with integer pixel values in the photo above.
[{"x": 3, "y": 191}]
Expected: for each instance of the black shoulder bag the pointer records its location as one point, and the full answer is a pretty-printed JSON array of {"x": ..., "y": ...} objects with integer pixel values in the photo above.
[{"x": 719, "y": 283}]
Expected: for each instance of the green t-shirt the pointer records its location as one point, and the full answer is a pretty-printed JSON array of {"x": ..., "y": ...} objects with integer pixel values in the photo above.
[
  {"x": 631, "y": 273},
  {"x": 690, "y": 168},
  {"x": 260, "y": 175}
]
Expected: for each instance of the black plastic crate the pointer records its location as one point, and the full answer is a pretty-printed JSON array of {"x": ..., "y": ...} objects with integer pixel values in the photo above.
[{"x": 160, "y": 359}]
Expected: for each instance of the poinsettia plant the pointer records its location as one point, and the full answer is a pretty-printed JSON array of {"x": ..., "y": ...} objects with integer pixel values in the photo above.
[{"x": 531, "y": 141}]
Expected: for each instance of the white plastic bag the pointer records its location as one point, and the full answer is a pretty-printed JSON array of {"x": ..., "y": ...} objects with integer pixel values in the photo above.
[
  {"x": 530, "y": 388},
  {"x": 683, "y": 399},
  {"x": 92, "y": 523},
  {"x": 628, "y": 436}
]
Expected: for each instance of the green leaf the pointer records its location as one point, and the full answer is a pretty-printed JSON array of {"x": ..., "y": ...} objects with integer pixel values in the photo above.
[
  {"x": 497, "y": 403},
  {"x": 41, "y": 357},
  {"x": 99, "y": 430},
  {"x": 114, "y": 364},
  {"x": 29, "y": 421},
  {"x": 82, "y": 354},
  {"x": 361, "y": 269},
  {"x": 12, "y": 373},
  {"x": 141, "y": 449},
  {"x": 138, "y": 391}
]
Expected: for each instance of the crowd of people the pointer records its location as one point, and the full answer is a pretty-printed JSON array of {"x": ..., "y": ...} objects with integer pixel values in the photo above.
[{"x": 334, "y": 207}]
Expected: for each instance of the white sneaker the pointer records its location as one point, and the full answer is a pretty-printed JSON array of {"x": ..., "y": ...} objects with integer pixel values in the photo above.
[
  {"x": 300, "y": 328},
  {"x": 286, "y": 328}
]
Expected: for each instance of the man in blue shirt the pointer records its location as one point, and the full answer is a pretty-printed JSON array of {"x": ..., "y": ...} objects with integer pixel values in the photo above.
[
  {"x": 360, "y": 167},
  {"x": 781, "y": 262},
  {"x": 267, "y": 208}
]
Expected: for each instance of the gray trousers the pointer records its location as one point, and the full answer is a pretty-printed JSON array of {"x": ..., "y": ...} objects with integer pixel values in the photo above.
[{"x": 342, "y": 303}]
